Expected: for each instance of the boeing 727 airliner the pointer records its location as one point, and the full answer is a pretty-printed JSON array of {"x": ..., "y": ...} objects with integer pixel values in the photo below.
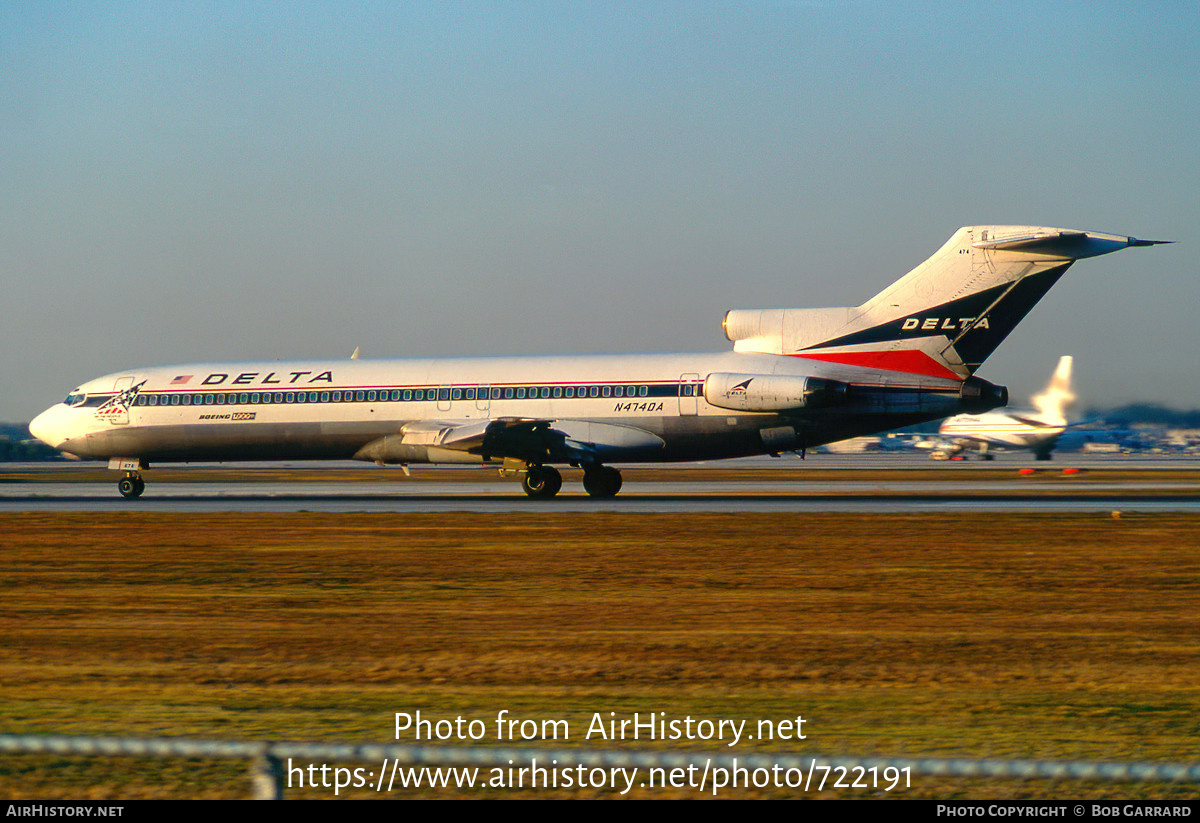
[{"x": 796, "y": 378}]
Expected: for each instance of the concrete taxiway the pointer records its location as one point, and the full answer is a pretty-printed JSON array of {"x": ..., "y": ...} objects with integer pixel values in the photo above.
[{"x": 873, "y": 482}]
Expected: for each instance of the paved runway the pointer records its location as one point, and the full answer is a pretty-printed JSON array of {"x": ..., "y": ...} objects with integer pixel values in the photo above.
[{"x": 859, "y": 483}]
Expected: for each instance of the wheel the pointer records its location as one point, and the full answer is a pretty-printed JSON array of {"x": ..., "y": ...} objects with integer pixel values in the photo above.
[
  {"x": 541, "y": 482},
  {"x": 602, "y": 481},
  {"x": 131, "y": 487}
]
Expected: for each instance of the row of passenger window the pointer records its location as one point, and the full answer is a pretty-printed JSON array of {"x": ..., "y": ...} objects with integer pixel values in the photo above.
[{"x": 407, "y": 395}]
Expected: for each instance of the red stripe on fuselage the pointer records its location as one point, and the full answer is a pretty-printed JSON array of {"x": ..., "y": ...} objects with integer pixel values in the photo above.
[{"x": 909, "y": 361}]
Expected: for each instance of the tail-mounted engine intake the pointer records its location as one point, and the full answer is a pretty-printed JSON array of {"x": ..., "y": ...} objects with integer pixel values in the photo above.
[
  {"x": 979, "y": 395},
  {"x": 771, "y": 392}
]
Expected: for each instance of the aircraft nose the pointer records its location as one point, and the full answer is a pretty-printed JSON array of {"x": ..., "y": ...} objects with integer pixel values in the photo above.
[{"x": 47, "y": 427}]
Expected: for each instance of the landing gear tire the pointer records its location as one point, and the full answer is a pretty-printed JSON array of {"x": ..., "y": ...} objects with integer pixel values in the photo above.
[
  {"x": 131, "y": 487},
  {"x": 602, "y": 481},
  {"x": 541, "y": 482}
]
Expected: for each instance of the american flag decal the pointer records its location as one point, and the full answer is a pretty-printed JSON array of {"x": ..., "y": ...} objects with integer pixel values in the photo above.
[{"x": 181, "y": 379}]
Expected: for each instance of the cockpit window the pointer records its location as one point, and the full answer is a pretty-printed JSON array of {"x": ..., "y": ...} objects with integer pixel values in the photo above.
[{"x": 75, "y": 398}]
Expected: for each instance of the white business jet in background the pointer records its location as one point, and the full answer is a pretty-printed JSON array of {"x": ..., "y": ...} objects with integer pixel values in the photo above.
[{"x": 1037, "y": 429}]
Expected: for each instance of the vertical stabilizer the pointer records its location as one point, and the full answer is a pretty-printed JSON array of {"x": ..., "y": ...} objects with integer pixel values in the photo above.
[
  {"x": 943, "y": 318},
  {"x": 1053, "y": 402}
]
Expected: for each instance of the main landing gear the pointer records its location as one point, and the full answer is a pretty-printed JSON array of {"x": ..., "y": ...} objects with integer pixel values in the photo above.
[
  {"x": 543, "y": 482},
  {"x": 601, "y": 481},
  {"x": 131, "y": 485}
]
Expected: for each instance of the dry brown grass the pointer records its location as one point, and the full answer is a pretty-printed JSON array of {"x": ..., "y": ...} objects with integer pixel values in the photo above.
[{"x": 1026, "y": 635}]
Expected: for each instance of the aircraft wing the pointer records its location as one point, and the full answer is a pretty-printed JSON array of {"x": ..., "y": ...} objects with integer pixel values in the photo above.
[
  {"x": 1034, "y": 422},
  {"x": 529, "y": 439}
]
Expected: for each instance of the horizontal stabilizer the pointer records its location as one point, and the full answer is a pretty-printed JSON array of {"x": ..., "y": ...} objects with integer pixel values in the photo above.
[{"x": 1065, "y": 244}]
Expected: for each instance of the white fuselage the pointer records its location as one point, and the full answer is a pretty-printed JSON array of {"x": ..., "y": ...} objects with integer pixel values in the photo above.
[
  {"x": 619, "y": 407},
  {"x": 1002, "y": 429}
]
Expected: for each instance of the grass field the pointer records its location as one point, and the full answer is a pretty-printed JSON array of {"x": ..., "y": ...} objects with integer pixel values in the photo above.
[{"x": 1067, "y": 636}]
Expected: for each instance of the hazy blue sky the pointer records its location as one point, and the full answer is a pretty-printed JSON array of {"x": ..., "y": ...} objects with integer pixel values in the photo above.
[{"x": 231, "y": 181}]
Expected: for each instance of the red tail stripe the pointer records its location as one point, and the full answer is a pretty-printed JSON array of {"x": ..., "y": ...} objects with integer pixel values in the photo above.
[{"x": 907, "y": 361}]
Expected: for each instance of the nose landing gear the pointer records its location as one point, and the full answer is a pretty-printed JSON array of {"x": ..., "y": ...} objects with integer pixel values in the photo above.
[{"x": 131, "y": 485}]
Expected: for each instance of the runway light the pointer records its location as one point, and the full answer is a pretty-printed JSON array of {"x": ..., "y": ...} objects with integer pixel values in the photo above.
[
  {"x": 1028, "y": 472},
  {"x": 1070, "y": 471}
]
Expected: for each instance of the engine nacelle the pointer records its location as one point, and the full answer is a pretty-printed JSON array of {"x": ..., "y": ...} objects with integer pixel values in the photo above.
[
  {"x": 978, "y": 395},
  {"x": 771, "y": 392}
]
